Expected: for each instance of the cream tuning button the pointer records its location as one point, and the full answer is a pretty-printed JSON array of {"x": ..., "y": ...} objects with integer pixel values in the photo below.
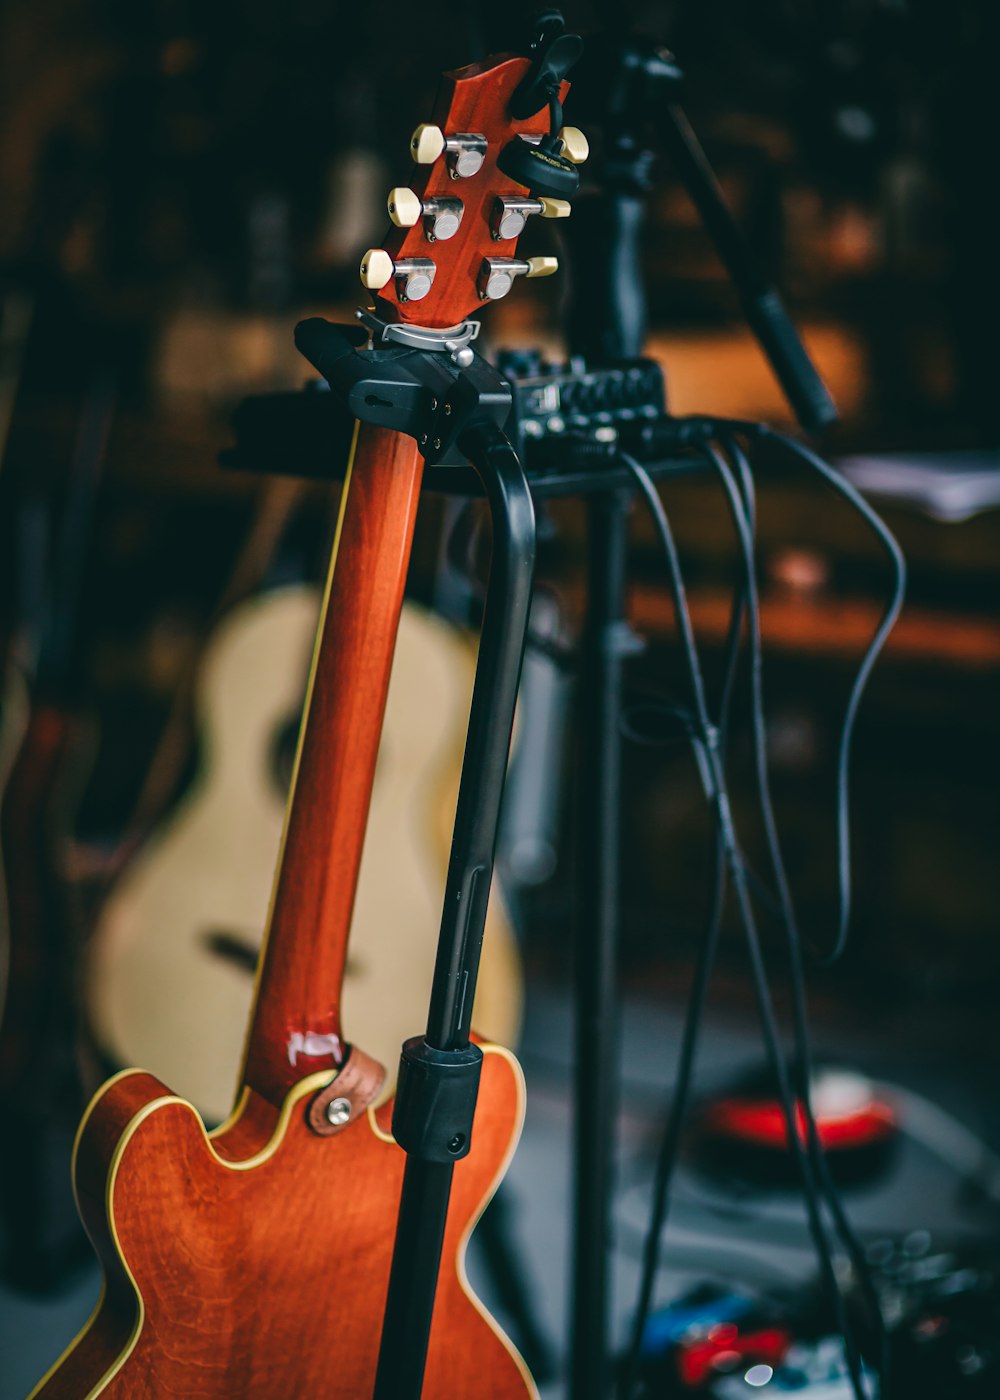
[
  {"x": 404, "y": 207},
  {"x": 575, "y": 146},
  {"x": 542, "y": 267},
  {"x": 426, "y": 144},
  {"x": 465, "y": 151},
  {"x": 496, "y": 275},
  {"x": 376, "y": 269}
]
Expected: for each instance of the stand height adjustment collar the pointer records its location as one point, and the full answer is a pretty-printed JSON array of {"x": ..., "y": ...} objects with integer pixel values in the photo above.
[{"x": 436, "y": 1100}]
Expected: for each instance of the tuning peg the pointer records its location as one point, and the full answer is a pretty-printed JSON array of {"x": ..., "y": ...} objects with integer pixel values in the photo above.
[
  {"x": 442, "y": 217},
  {"x": 575, "y": 146},
  {"x": 414, "y": 276},
  {"x": 426, "y": 143},
  {"x": 496, "y": 275},
  {"x": 511, "y": 212},
  {"x": 465, "y": 151},
  {"x": 376, "y": 269}
]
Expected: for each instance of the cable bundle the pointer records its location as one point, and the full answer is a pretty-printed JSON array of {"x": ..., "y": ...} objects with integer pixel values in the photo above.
[{"x": 718, "y": 441}]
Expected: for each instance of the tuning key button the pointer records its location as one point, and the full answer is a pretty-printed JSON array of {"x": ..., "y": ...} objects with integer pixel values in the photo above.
[
  {"x": 404, "y": 207},
  {"x": 496, "y": 275},
  {"x": 575, "y": 146},
  {"x": 414, "y": 277},
  {"x": 376, "y": 269},
  {"x": 426, "y": 144},
  {"x": 554, "y": 208}
]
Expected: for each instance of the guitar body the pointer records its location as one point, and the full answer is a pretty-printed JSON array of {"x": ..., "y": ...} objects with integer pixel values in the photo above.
[
  {"x": 255, "y": 1262},
  {"x": 171, "y": 961}
]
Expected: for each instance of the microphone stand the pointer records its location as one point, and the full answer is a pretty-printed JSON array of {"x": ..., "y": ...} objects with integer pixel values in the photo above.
[{"x": 628, "y": 88}]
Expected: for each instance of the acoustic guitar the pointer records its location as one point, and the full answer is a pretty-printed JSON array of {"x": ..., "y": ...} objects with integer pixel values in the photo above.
[
  {"x": 255, "y": 1261},
  {"x": 172, "y": 958}
]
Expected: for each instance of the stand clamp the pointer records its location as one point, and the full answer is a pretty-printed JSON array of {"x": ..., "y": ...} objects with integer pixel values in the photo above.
[
  {"x": 427, "y": 383},
  {"x": 435, "y": 1101}
]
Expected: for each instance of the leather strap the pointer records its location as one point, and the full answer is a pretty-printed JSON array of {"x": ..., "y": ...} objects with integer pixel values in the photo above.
[{"x": 357, "y": 1084}]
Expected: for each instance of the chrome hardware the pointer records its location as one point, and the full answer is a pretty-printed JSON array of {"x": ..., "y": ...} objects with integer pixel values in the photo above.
[
  {"x": 496, "y": 275},
  {"x": 453, "y": 340},
  {"x": 465, "y": 154},
  {"x": 338, "y": 1111},
  {"x": 510, "y": 213},
  {"x": 414, "y": 277},
  {"x": 442, "y": 217}
]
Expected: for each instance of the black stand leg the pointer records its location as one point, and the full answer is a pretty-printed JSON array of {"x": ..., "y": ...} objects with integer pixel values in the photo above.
[
  {"x": 606, "y": 640},
  {"x": 439, "y": 1073}
]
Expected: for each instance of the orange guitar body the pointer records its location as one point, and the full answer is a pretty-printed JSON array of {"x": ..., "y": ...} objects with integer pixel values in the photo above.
[{"x": 255, "y": 1263}]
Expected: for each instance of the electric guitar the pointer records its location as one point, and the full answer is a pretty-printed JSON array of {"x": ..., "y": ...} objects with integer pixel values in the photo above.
[
  {"x": 255, "y": 1261},
  {"x": 171, "y": 960}
]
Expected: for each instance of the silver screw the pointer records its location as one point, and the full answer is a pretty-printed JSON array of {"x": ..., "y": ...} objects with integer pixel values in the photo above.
[{"x": 338, "y": 1111}]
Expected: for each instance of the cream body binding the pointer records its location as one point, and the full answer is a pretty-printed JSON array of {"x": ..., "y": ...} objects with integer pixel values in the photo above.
[{"x": 158, "y": 995}]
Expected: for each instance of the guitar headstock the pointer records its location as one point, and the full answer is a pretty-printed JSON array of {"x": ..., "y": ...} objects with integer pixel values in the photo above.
[{"x": 453, "y": 244}]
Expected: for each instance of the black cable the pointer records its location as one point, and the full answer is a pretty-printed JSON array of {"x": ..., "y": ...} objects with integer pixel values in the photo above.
[
  {"x": 802, "y": 1040},
  {"x": 844, "y": 488},
  {"x": 718, "y": 795}
]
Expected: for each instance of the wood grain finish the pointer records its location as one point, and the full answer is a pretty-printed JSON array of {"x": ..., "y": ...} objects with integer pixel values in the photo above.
[
  {"x": 266, "y": 1276},
  {"x": 299, "y": 984},
  {"x": 472, "y": 99}
]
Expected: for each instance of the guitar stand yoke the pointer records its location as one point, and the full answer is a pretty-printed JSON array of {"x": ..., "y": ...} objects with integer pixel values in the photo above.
[{"x": 443, "y": 394}]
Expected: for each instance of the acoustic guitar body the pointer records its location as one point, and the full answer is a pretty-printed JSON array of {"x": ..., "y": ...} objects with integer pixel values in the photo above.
[
  {"x": 255, "y": 1261},
  {"x": 171, "y": 961}
]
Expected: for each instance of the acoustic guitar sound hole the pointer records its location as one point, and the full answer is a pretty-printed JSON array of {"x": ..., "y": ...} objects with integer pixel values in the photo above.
[{"x": 241, "y": 953}]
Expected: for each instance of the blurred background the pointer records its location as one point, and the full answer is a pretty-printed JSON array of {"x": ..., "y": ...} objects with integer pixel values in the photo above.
[{"x": 181, "y": 183}]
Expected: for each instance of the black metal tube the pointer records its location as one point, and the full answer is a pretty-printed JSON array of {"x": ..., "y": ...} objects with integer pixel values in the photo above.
[
  {"x": 416, "y": 1258},
  {"x": 491, "y": 718},
  {"x": 423, "y": 1205},
  {"x": 798, "y": 376},
  {"x": 606, "y": 639}
]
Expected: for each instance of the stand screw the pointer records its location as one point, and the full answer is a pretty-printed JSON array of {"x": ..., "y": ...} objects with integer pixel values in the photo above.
[{"x": 338, "y": 1111}]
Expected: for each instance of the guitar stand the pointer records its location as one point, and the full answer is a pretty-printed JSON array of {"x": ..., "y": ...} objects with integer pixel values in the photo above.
[{"x": 433, "y": 386}]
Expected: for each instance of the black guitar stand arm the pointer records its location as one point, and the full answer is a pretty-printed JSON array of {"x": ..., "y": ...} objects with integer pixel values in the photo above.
[{"x": 445, "y": 396}]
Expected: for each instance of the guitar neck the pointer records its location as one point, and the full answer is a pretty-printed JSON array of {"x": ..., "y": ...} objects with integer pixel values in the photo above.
[{"x": 295, "y": 1027}]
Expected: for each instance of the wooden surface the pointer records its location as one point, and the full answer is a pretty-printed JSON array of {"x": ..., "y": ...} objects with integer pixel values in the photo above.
[
  {"x": 299, "y": 983},
  {"x": 266, "y": 1277}
]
